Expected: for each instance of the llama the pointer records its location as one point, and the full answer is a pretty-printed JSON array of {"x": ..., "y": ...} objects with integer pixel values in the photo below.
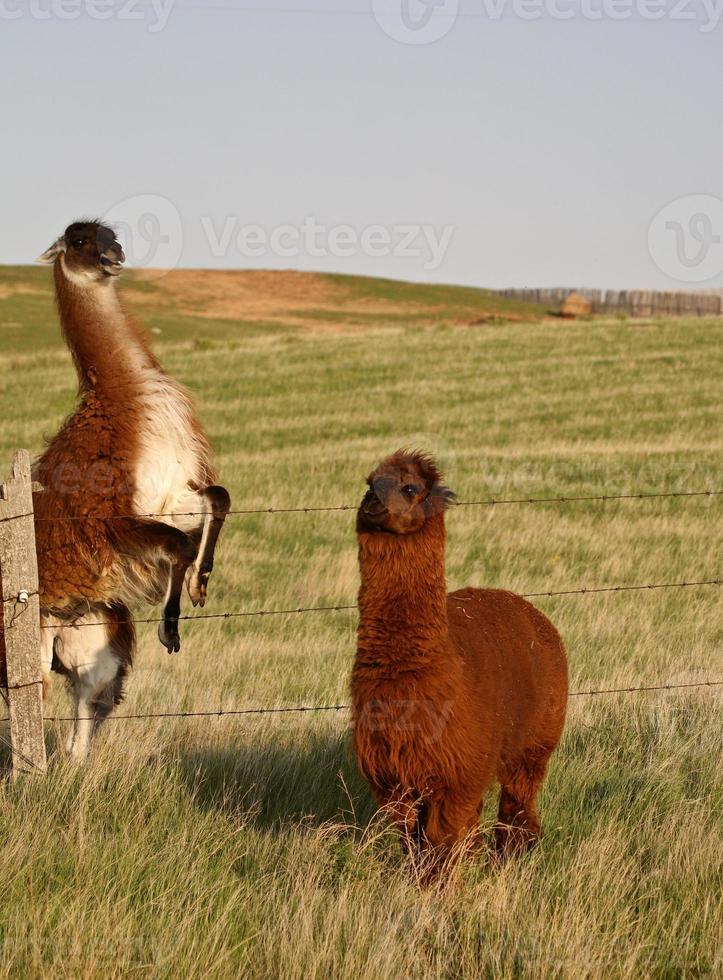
[
  {"x": 450, "y": 692},
  {"x": 133, "y": 447}
]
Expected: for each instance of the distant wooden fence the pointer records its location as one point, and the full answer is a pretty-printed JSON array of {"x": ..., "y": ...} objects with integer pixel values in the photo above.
[{"x": 632, "y": 302}]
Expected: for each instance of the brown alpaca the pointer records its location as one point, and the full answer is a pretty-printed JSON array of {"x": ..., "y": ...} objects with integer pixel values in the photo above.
[
  {"x": 450, "y": 691},
  {"x": 132, "y": 447}
]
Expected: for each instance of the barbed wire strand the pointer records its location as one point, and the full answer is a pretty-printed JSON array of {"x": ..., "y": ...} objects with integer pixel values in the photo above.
[
  {"x": 299, "y": 709},
  {"x": 243, "y": 614},
  {"x": 490, "y": 502},
  {"x": 14, "y": 751},
  {"x": 161, "y": 715}
]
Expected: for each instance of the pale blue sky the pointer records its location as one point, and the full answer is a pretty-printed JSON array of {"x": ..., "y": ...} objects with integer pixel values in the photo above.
[{"x": 545, "y": 147}]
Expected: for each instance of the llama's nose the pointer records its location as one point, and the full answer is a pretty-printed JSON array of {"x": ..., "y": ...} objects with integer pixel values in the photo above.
[{"x": 112, "y": 260}]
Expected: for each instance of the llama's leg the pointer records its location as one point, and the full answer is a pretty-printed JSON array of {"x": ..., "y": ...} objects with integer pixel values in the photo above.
[
  {"x": 92, "y": 662},
  {"x": 217, "y": 505},
  {"x": 180, "y": 549},
  {"x": 134, "y": 535},
  {"x": 122, "y": 641},
  {"x": 168, "y": 628},
  {"x": 47, "y": 652},
  {"x": 518, "y": 823}
]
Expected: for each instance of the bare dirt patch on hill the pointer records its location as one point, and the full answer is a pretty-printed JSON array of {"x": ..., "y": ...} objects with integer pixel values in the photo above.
[
  {"x": 311, "y": 300},
  {"x": 293, "y": 298}
]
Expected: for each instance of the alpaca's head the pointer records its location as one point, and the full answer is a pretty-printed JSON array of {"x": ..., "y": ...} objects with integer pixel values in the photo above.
[
  {"x": 90, "y": 252},
  {"x": 404, "y": 492}
]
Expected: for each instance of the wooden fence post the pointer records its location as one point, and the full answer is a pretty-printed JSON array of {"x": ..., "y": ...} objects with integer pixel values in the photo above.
[{"x": 20, "y": 633}]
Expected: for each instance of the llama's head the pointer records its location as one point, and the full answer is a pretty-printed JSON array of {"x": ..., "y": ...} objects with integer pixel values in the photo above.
[
  {"x": 90, "y": 252},
  {"x": 404, "y": 492}
]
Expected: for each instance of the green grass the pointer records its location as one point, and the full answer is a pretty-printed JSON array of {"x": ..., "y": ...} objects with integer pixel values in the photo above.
[{"x": 249, "y": 846}]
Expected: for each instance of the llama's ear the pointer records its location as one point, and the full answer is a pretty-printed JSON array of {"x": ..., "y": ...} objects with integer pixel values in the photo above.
[{"x": 50, "y": 254}]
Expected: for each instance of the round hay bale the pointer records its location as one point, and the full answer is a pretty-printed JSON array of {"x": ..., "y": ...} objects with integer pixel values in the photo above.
[{"x": 575, "y": 305}]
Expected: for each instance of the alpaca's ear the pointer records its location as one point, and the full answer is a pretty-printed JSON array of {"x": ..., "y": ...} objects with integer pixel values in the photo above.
[
  {"x": 447, "y": 495},
  {"x": 50, "y": 254},
  {"x": 439, "y": 499}
]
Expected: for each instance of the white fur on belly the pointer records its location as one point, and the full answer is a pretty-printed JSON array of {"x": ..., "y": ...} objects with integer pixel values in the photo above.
[{"x": 170, "y": 457}]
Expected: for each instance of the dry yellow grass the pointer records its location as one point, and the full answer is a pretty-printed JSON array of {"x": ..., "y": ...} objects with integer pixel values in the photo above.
[{"x": 249, "y": 846}]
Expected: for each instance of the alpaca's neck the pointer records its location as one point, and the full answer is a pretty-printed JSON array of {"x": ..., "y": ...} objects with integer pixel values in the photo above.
[
  {"x": 403, "y": 597},
  {"x": 107, "y": 349}
]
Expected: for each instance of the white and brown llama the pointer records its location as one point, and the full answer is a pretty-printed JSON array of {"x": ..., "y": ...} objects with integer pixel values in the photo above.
[{"x": 132, "y": 447}]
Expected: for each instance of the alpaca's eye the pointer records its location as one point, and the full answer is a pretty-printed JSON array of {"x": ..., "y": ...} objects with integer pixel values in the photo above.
[
  {"x": 409, "y": 491},
  {"x": 79, "y": 243}
]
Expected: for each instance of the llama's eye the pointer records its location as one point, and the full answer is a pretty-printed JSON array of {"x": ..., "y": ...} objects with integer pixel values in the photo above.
[
  {"x": 79, "y": 243},
  {"x": 409, "y": 491}
]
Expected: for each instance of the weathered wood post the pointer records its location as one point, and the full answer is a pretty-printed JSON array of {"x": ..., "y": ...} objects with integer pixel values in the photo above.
[{"x": 20, "y": 626}]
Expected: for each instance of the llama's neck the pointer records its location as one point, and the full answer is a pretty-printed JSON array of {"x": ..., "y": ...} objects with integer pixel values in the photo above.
[
  {"x": 108, "y": 350},
  {"x": 403, "y": 598}
]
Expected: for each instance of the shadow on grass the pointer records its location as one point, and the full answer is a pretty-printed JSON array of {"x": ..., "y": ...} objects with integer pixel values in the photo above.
[{"x": 311, "y": 782}]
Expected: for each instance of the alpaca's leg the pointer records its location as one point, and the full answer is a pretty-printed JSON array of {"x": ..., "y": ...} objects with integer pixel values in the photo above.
[
  {"x": 449, "y": 822},
  {"x": 402, "y": 809},
  {"x": 217, "y": 505},
  {"x": 518, "y": 823},
  {"x": 408, "y": 813}
]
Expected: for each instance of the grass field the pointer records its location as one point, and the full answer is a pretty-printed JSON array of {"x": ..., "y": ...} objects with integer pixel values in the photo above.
[{"x": 250, "y": 847}]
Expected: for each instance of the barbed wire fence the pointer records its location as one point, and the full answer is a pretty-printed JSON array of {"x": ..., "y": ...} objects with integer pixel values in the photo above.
[{"x": 20, "y": 636}]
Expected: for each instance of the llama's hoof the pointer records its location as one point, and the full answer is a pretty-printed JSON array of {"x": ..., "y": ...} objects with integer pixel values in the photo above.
[
  {"x": 198, "y": 588},
  {"x": 168, "y": 635},
  {"x": 76, "y": 749}
]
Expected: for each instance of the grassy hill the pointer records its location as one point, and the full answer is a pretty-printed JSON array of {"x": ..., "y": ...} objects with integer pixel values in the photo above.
[
  {"x": 250, "y": 846},
  {"x": 220, "y": 304}
]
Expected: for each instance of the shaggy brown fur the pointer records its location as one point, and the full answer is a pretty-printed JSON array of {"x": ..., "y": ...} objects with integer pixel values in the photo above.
[{"x": 450, "y": 692}]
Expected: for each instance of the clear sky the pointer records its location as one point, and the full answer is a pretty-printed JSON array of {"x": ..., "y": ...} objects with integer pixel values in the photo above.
[{"x": 508, "y": 151}]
